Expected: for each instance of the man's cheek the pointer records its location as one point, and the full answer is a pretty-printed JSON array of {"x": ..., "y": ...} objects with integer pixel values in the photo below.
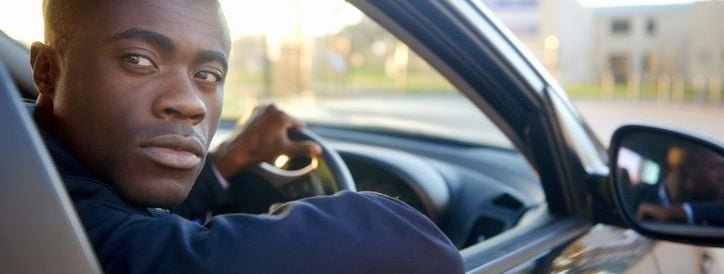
[
  {"x": 215, "y": 105},
  {"x": 214, "y": 109}
]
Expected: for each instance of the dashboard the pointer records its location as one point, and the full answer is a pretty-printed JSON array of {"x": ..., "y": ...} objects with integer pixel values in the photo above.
[
  {"x": 472, "y": 193},
  {"x": 370, "y": 176}
]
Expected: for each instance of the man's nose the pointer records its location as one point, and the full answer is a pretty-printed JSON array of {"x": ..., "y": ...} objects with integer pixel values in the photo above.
[{"x": 180, "y": 100}]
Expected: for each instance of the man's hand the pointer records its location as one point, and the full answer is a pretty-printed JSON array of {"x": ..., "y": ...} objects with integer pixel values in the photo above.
[
  {"x": 262, "y": 138},
  {"x": 660, "y": 213}
]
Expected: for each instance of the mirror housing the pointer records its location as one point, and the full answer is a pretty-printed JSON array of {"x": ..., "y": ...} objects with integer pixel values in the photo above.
[{"x": 668, "y": 185}]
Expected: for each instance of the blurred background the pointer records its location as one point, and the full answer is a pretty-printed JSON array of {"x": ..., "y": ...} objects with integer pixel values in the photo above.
[
  {"x": 635, "y": 61},
  {"x": 627, "y": 61},
  {"x": 649, "y": 61}
]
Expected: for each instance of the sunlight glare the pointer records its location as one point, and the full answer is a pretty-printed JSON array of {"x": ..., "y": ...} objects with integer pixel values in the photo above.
[
  {"x": 24, "y": 20},
  {"x": 286, "y": 18}
]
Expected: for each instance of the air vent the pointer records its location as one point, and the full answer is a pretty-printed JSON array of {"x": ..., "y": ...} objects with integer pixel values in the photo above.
[
  {"x": 484, "y": 228},
  {"x": 508, "y": 201}
]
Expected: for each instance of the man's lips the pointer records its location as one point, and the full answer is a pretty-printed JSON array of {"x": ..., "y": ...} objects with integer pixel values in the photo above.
[{"x": 174, "y": 151}]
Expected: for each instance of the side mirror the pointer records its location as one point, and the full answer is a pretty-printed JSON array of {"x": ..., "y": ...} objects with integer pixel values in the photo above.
[{"x": 669, "y": 185}]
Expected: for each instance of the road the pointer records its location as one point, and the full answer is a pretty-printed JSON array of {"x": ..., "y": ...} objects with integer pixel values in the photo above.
[
  {"x": 455, "y": 117},
  {"x": 604, "y": 116}
]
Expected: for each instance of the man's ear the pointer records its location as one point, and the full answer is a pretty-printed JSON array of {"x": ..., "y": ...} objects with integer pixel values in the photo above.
[
  {"x": 46, "y": 70},
  {"x": 45, "y": 64}
]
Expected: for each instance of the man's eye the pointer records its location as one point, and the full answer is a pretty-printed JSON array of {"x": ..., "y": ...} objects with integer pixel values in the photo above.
[
  {"x": 208, "y": 77},
  {"x": 137, "y": 60}
]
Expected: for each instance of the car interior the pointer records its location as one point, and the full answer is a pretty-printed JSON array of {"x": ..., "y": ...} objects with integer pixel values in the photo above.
[
  {"x": 478, "y": 173},
  {"x": 473, "y": 192}
]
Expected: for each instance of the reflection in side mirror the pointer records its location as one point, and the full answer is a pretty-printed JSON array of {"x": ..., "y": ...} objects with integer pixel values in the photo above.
[{"x": 669, "y": 184}]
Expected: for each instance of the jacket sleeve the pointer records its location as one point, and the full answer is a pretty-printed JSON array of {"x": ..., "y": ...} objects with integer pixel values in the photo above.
[
  {"x": 345, "y": 233},
  {"x": 708, "y": 213}
]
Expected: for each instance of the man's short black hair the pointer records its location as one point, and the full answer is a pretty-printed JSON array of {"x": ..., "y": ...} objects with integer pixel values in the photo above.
[{"x": 61, "y": 16}]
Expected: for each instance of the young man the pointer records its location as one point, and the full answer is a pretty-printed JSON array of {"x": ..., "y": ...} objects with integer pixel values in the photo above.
[{"x": 130, "y": 95}]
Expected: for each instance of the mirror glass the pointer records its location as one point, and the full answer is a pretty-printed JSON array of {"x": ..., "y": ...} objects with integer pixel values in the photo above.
[{"x": 670, "y": 183}]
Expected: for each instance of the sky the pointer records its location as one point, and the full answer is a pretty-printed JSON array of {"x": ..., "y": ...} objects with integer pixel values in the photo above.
[{"x": 23, "y": 20}]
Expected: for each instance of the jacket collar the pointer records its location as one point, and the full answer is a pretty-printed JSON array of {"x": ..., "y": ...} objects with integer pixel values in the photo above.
[
  {"x": 65, "y": 162},
  {"x": 68, "y": 166}
]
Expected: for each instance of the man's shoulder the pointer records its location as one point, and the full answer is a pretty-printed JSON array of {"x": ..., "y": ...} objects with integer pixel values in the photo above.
[
  {"x": 364, "y": 201},
  {"x": 81, "y": 186},
  {"x": 93, "y": 197},
  {"x": 389, "y": 235}
]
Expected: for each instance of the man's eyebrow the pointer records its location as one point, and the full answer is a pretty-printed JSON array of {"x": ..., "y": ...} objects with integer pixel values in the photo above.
[
  {"x": 214, "y": 56},
  {"x": 152, "y": 37}
]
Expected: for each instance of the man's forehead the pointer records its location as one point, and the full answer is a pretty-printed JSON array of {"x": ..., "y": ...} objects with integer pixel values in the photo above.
[{"x": 181, "y": 20}]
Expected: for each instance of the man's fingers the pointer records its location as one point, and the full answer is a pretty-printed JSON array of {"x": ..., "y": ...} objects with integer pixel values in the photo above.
[
  {"x": 646, "y": 211},
  {"x": 271, "y": 112},
  {"x": 294, "y": 122},
  {"x": 640, "y": 213},
  {"x": 304, "y": 148},
  {"x": 287, "y": 120}
]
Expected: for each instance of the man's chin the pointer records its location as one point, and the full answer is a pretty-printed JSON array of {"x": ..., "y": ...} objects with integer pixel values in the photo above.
[{"x": 158, "y": 193}]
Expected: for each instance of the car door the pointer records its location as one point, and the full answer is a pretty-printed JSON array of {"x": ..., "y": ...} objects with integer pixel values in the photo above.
[{"x": 463, "y": 41}]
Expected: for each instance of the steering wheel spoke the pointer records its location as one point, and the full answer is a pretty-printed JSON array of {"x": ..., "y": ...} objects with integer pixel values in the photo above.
[{"x": 326, "y": 175}]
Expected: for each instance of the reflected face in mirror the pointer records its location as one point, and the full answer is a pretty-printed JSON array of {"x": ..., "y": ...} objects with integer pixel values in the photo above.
[
  {"x": 666, "y": 179},
  {"x": 705, "y": 175}
]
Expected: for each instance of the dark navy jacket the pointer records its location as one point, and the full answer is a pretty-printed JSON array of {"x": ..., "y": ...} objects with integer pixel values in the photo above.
[{"x": 345, "y": 233}]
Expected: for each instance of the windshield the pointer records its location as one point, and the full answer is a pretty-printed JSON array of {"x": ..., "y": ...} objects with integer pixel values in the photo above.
[
  {"x": 329, "y": 64},
  {"x": 433, "y": 115}
]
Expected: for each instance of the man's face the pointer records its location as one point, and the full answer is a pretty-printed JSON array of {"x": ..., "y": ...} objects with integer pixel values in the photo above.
[
  {"x": 706, "y": 180},
  {"x": 712, "y": 169},
  {"x": 139, "y": 94}
]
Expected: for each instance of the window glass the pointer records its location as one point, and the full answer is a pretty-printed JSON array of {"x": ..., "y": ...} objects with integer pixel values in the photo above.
[
  {"x": 704, "y": 56},
  {"x": 650, "y": 172},
  {"x": 647, "y": 61},
  {"x": 651, "y": 26},
  {"x": 619, "y": 65},
  {"x": 329, "y": 64},
  {"x": 620, "y": 26}
]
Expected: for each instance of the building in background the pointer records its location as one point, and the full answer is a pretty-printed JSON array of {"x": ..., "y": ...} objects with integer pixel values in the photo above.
[
  {"x": 535, "y": 23},
  {"x": 640, "y": 43}
]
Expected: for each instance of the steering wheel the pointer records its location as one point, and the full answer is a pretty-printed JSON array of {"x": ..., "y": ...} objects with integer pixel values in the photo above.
[{"x": 305, "y": 176}]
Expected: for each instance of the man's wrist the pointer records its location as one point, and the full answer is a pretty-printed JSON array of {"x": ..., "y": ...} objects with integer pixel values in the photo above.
[
  {"x": 228, "y": 166},
  {"x": 224, "y": 166}
]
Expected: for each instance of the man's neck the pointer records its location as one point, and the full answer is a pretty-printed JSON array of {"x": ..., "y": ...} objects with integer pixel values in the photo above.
[{"x": 66, "y": 163}]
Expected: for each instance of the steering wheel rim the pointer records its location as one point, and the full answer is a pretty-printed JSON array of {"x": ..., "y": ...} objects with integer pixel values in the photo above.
[{"x": 337, "y": 168}]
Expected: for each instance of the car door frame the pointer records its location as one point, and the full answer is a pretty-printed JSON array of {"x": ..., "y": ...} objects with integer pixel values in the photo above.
[
  {"x": 43, "y": 233},
  {"x": 480, "y": 57}
]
